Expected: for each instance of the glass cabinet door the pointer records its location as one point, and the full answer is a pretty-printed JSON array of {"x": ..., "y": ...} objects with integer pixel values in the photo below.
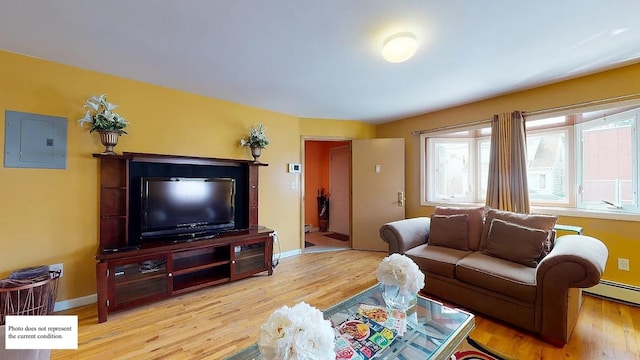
[
  {"x": 249, "y": 258},
  {"x": 139, "y": 278}
]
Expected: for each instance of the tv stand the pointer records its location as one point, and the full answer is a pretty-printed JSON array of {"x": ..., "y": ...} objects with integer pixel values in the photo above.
[
  {"x": 157, "y": 271},
  {"x": 130, "y": 274}
]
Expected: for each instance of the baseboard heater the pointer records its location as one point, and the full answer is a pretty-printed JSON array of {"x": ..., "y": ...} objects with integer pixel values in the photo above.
[{"x": 616, "y": 291}]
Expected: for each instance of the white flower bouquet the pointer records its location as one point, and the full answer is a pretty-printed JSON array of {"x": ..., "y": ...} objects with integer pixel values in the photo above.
[
  {"x": 257, "y": 137},
  {"x": 399, "y": 270},
  {"x": 297, "y": 333},
  {"x": 101, "y": 116}
]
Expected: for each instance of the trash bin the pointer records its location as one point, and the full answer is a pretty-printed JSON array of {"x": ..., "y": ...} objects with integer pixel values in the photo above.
[{"x": 29, "y": 291}]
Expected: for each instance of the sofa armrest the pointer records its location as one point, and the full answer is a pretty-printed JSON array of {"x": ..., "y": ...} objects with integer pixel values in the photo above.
[
  {"x": 576, "y": 261},
  {"x": 403, "y": 235}
]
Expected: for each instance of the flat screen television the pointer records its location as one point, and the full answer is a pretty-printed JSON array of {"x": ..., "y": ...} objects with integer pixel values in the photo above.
[{"x": 180, "y": 208}]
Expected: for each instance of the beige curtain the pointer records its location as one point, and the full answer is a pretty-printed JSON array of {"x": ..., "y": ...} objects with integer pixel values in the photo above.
[{"x": 507, "y": 186}]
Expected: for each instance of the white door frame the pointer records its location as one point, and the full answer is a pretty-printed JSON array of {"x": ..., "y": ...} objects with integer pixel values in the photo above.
[{"x": 304, "y": 138}]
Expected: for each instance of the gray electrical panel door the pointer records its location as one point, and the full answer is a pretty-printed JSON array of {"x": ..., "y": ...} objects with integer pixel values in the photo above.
[{"x": 35, "y": 141}]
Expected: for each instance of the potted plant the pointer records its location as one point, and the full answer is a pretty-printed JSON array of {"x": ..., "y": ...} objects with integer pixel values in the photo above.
[
  {"x": 257, "y": 140},
  {"x": 104, "y": 120}
]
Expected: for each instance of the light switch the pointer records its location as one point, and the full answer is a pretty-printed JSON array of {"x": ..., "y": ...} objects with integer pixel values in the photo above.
[{"x": 378, "y": 169}]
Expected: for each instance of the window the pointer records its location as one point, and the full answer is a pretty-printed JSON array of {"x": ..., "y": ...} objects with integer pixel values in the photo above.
[
  {"x": 452, "y": 174},
  {"x": 583, "y": 161},
  {"x": 548, "y": 166},
  {"x": 608, "y": 162}
]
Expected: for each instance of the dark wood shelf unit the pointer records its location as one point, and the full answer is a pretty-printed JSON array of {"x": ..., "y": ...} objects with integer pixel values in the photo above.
[
  {"x": 196, "y": 259},
  {"x": 200, "y": 279},
  {"x": 156, "y": 270}
]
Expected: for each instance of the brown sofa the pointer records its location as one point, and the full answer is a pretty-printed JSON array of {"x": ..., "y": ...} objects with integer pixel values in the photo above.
[{"x": 505, "y": 265}]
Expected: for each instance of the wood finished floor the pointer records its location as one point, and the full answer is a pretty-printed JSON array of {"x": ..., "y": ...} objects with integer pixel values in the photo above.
[
  {"x": 215, "y": 322},
  {"x": 324, "y": 243}
]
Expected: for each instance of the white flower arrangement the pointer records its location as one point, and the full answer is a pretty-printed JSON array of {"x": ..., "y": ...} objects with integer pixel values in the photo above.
[
  {"x": 399, "y": 270},
  {"x": 297, "y": 333},
  {"x": 101, "y": 116},
  {"x": 256, "y": 138}
]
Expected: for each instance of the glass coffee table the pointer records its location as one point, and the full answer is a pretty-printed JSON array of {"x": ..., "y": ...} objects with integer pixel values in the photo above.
[{"x": 434, "y": 331}]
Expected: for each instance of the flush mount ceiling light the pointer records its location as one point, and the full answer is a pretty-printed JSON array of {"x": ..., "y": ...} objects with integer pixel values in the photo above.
[{"x": 399, "y": 47}]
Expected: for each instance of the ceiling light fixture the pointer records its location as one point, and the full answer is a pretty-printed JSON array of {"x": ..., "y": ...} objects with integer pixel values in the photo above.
[{"x": 399, "y": 47}]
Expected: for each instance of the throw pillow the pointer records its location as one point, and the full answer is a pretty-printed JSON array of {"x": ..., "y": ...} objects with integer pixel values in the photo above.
[
  {"x": 449, "y": 231},
  {"x": 476, "y": 218},
  {"x": 535, "y": 221},
  {"x": 515, "y": 243}
]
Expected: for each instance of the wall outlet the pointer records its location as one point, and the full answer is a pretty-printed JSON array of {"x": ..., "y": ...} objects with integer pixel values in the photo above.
[
  {"x": 57, "y": 267},
  {"x": 623, "y": 264}
]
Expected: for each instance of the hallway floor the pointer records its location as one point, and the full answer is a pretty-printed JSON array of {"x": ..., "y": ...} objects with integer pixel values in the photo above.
[{"x": 324, "y": 243}]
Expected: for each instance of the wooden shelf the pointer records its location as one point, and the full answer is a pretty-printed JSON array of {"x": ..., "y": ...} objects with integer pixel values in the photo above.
[
  {"x": 202, "y": 266},
  {"x": 200, "y": 279}
]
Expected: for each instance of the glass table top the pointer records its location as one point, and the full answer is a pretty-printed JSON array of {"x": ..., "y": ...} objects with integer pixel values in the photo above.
[{"x": 434, "y": 331}]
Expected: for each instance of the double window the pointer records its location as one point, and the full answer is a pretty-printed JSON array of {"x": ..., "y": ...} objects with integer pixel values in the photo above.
[{"x": 582, "y": 161}]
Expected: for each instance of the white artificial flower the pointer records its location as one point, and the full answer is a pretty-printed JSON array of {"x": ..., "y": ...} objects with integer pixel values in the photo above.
[
  {"x": 256, "y": 138},
  {"x": 399, "y": 270},
  {"x": 101, "y": 117},
  {"x": 297, "y": 333}
]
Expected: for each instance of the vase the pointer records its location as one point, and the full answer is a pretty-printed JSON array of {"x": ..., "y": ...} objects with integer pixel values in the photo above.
[
  {"x": 256, "y": 151},
  {"x": 109, "y": 139},
  {"x": 395, "y": 299}
]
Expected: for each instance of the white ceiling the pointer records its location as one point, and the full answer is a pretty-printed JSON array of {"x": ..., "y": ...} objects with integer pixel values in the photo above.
[{"x": 321, "y": 59}]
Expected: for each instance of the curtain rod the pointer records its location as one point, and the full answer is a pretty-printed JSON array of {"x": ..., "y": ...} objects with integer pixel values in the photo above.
[
  {"x": 449, "y": 127},
  {"x": 537, "y": 112},
  {"x": 583, "y": 104}
]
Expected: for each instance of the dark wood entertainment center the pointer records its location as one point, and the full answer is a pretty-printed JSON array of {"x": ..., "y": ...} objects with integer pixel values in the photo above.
[{"x": 131, "y": 273}]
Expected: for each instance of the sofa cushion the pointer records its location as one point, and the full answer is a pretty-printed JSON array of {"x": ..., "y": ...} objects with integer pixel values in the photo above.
[
  {"x": 516, "y": 243},
  {"x": 543, "y": 222},
  {"x": 505, "y": 277},
  {"x": 436, "y": 259},
  {"x": 449, "y": 231},
  {"x": 474, "y": 224}
]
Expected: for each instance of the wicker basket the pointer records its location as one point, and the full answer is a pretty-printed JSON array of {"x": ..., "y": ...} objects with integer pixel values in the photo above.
[{"x": 35, "y": 296}]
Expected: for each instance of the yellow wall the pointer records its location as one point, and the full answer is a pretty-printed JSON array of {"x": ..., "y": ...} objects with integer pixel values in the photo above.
[
  {"x": 621, "y": 237},
  {"x": 327, "y": 128},
  {"x": 51, "y": 216}
]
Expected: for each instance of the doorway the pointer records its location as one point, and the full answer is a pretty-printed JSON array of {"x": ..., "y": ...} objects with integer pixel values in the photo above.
[{"x": 327, "y": 195}]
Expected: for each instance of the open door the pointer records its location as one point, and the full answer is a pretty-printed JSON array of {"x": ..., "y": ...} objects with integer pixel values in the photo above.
[
  {"x": 339, "y": 165},
  {"x": 377, "y": 181}
]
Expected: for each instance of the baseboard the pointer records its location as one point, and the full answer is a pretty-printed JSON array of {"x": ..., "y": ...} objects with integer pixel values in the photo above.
[
  {"x": 73, "y": 303},
  {"x": 616, "y": 291},
  {"x": 289, "y": 253}
]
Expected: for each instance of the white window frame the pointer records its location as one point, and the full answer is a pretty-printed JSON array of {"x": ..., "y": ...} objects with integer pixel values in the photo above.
[
  {"x": 635, "y": 159},
  {"x": 427, "y": 178},
  {"x": 570, "y": 175},
  {"x": 433, "y": 171},
  {"x": 572, "y": 206}
]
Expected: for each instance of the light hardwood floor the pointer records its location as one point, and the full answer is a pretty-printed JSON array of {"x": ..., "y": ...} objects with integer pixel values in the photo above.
[
  {"x": 324, "y": 243},
  {"x": 215, "y": 322}
]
